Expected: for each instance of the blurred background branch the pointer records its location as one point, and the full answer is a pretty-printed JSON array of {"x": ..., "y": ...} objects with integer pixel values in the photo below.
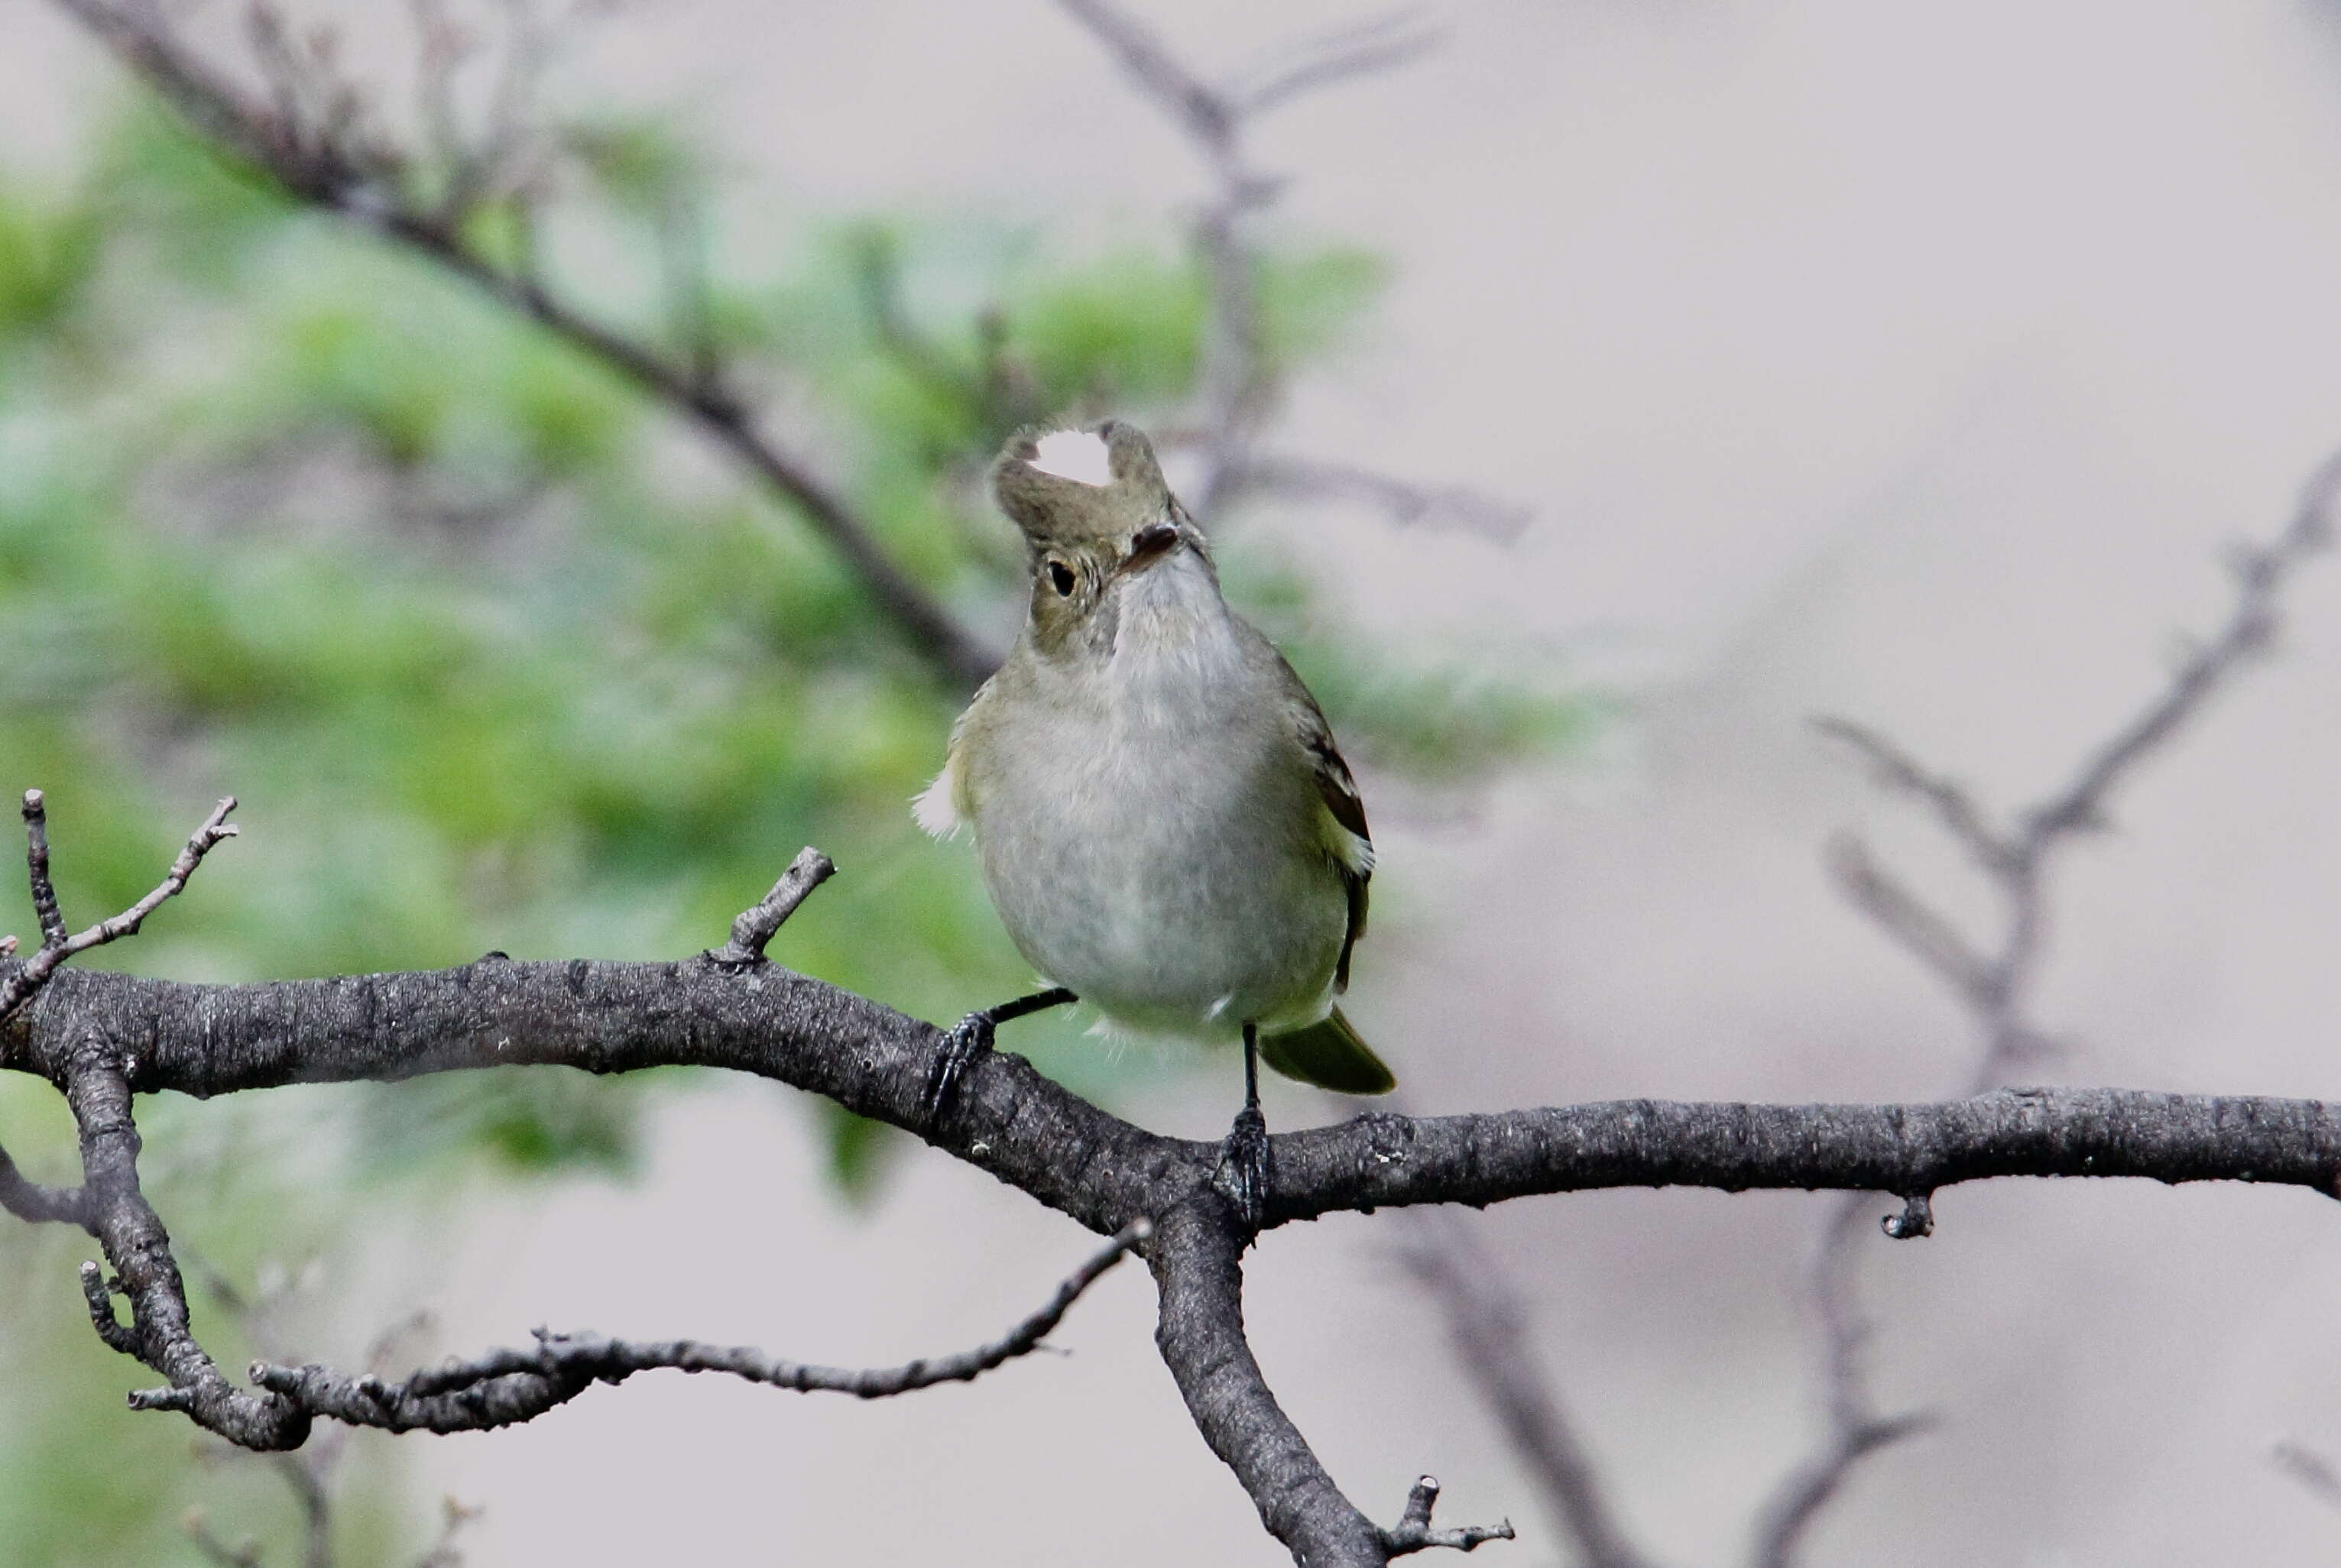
[
  {"x": 318, "y": 136},
  {"x": 1994, "y": 982},
  {"x": 1485, "y": 1316}
]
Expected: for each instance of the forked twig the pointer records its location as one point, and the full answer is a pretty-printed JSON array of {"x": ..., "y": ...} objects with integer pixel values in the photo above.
[{"x": 56, "y": 946}]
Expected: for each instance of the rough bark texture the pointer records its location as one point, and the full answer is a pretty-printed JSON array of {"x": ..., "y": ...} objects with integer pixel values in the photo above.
[
  {"x": 1198, "y": 1268},
  {"x": 100, "y": 1037},
  {"x": 1033, "y": 1134}
]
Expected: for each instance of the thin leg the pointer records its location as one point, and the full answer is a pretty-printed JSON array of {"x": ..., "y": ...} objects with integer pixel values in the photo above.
[
  {"x": 972, "y": 1037},
  {"x": 1245, "y": 1169}
]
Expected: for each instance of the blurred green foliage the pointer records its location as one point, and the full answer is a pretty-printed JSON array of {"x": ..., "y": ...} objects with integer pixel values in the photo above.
[{"x": 496, "y": 655}]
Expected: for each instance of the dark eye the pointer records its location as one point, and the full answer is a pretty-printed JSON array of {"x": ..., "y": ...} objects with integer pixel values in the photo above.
[{"x": 1060, "y": 577}]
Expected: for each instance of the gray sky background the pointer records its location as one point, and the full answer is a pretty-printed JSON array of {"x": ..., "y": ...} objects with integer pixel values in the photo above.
[{"x": 1907, "y": 361}]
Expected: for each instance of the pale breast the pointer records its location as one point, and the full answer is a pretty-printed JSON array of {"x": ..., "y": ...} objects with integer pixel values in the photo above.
[{"x": 1148, "y": 831}]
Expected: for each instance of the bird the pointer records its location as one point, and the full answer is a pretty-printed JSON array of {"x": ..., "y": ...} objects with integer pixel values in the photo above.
[{"x": 1163, "y": 821}]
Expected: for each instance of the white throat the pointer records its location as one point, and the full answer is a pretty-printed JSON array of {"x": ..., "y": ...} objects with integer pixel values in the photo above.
[{"x": 1173, "y": 601}]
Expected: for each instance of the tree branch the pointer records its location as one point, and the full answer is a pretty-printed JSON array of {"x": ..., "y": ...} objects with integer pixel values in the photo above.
[
  {"x": 1404, "y": 502},
  {"x": 1375, "y": 1161},
  {"x": 504, "y": 1387},
  {"x": 97, "y": 1087},
  {"x": 1815, "y": 1483},
  {"x": 1856, "y": 1429},
  {"x": 1413, "y": 1532},
  {"x": 338, "y": 169},
  {"x": 309, "y": 1471},
  {"x": 1924, "y": 931},
  {"x": 1953, "y": 805},
  {"x": 2261, "y": 573},
  {"x": 2311, "y": 1469},
  {"x": 756, "y": 925},
  {"x": 1239, "y": 381},
  {"x": 31, "y": 1200},
  {"x": 24, "y": 1199},
  {"x": 1377, "y": 44},
  {"x": 56, "y": 946},
  {"x": 1994, "y": 988},
  {"x": 1486, "y": 1323},
  {"x": 1034, "y": 1135},
  {"x": 1198, "y": 1267}
]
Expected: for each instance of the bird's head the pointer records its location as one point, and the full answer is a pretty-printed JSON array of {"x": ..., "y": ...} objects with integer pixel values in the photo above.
[{"x": 1096, "y": 514}]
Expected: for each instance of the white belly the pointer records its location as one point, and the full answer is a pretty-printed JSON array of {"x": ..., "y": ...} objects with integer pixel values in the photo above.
[{"x": 1160, "y": 853}]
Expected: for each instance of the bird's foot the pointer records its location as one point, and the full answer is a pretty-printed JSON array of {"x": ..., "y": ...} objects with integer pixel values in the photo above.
[
  {"x": 1245, "y": 1168},
  {"x": 963, "y": 1042}
]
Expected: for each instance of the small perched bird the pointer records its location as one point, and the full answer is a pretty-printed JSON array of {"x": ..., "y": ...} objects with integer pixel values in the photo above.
[{"x": 1164, "y": 823}]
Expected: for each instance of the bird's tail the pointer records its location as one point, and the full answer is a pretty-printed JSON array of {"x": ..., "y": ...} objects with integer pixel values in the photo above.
[{"x": 1330, "y": 1056}]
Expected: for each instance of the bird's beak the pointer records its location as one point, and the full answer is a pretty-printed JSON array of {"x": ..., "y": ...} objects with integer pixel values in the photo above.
[{"x": 1150, "y": 543}]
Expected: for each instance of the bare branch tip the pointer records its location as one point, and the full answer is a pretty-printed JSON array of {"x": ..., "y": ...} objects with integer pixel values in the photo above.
[
  {"x": 755, "y": 926},
  {"x": 1413, "y": 1532},
  {"x": 1917, "y": 1218},
  {"x": 167, "y": 1398}
]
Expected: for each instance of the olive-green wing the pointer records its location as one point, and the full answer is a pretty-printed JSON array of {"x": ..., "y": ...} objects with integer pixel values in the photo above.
[{"x": 1347, "y": 839}]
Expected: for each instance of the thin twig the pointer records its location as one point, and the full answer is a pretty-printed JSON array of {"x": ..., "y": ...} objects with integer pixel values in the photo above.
[
  {"x": 2310, "y": 1468},
  {"x": 1953, "y": 805},
  {"x": 309, "y": 1471},
  {"x": 26, "y": 980},
  {"x": 1856, "y": 1429},
  {"x": 34, "y": 1201},
  {"x": 97, "y": 1087},
  {"x": 504, "y": 1386},
  {"x": 754, "y": 927},
  {"x": 1377, "y": 44},
  {"x": 1413, "y": 1532},
  {"x": 1239, "y": 380},
  {"x": 1927, "y": 932},
  {"x": 1405, "y": 503},
  {"x": 1203, "y": 112},
  {"x": 1487, "y": 1324},
  {"x": 36, "y": 860},
  {"x": 2017, "y": 859},
  {"x": 2261, "y": 573},
  {"x": 1236, "y": 377}
]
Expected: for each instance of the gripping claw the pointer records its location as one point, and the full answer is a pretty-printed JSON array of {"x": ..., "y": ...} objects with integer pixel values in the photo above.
[
  {"x": 1244, "y": 1170},
  {"x": 966, "y": 1041}
]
